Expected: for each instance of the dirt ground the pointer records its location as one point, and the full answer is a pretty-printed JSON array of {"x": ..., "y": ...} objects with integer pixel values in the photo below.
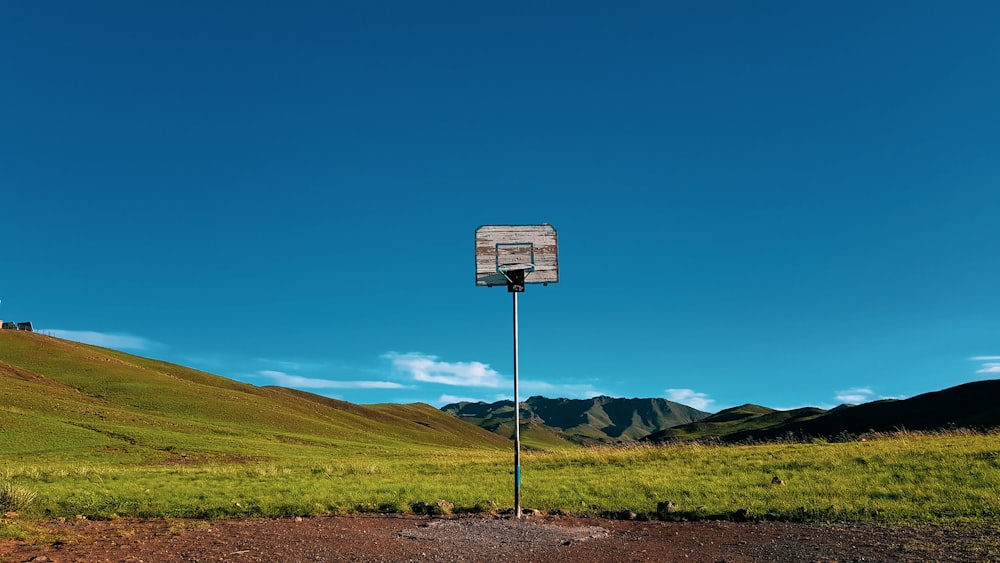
[{"x": 493, "y": 539}]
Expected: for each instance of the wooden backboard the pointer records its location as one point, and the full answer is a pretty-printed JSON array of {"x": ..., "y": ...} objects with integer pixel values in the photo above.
[{"x": 501, "y": 246}]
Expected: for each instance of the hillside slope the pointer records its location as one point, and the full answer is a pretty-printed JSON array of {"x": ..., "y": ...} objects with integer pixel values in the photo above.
[
  {"x": 971, "y": 405},
  {"x": 59, "y": 397},
  {"x": 745, "y": 418}
]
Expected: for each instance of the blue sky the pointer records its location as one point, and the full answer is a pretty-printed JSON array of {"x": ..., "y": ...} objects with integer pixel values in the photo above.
[{"x": 782, "y": 203}]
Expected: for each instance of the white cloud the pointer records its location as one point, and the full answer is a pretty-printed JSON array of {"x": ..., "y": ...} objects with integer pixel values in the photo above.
[
  {"x": 552, "y": 390},
  {"x": 448, "y": 399},
  {"x": 690, "y": 398},
  {"x": 105, "y": 340},
  {"x": 299, "y": 382},
  {"x": 855, "y": 395},
  {"x": 427, "y": 368},
  {"x": 990, "y": 364}
]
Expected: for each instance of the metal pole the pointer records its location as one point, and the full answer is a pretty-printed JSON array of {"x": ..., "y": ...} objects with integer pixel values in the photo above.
[{"x": 517, "y": 426}]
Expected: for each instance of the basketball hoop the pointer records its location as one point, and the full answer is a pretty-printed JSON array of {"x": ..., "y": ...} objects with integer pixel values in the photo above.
[
  {"x": 515, "y": 275},
  {"x": 516, "y": 255},
  {"x": 504, "y": 249},
  {"x": 504, "y": 268}
]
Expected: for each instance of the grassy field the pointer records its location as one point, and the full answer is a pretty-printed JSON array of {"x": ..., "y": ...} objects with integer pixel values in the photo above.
[
  {"x": 100, "y": 434},
  {"x": 915, "y": 478}
]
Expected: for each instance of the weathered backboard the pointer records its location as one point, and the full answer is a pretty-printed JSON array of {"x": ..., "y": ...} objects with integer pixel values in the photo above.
[{"x": 499, "y": 248}]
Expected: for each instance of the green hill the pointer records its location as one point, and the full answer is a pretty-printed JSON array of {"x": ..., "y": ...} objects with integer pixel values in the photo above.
[
  {"x": 971, "y": 405},
  {"x": 745, "y": 418},
  {"x": 62, "y": 398}
]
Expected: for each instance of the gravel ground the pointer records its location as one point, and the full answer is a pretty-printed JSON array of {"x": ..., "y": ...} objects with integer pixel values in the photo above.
[{"x": 483, "y": 538}]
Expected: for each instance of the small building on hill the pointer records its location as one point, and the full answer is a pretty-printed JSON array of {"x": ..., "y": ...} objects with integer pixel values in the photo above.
[
  {"x": 8, "y": 325},
  {"x": 26, "y": 327}
]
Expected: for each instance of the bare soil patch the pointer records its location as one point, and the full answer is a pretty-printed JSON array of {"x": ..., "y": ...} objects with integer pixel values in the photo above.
[{"x": 484, "y": 538}]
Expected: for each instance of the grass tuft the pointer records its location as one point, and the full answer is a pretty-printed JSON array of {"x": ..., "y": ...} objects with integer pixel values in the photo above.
[{"x": 14, "y": 498}]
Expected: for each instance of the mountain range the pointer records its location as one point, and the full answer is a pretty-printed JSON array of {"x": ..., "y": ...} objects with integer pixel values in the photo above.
[
  {"x": 548, "y": 422},
  {"x": 974, "y": 405}
]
